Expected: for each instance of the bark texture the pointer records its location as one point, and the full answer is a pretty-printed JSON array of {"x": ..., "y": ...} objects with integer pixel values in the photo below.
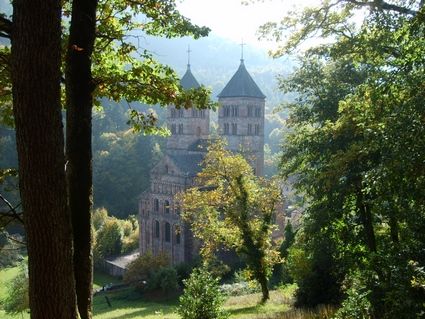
[
  {"x": 79, "y": 96},
  {"x": 36, "y": 60}
]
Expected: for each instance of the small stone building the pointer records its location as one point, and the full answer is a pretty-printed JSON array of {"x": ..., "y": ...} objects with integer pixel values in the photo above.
[{"x": 241, "y": 123}]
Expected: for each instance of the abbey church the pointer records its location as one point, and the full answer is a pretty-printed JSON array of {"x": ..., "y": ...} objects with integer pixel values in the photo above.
[{"x": 240, "y": 122}]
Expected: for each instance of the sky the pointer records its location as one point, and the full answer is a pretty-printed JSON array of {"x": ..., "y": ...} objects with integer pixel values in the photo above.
[{"x": 230, "y": 19}]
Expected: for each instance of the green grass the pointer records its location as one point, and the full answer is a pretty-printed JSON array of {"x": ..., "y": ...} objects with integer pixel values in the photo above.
[
  {"x": 6, "y": 276},
  {"x": 102, "y": 279},
  {"x": 128, "y": 303}
]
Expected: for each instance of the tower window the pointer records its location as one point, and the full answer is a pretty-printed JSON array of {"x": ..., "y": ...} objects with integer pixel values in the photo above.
[
  {"x": 257, "y": 112},
  {"x": 180, "y": 128},
  {"x": 249, "y": 129},
  {"x": 234, "y": 128},
  {"x": 177, "y": 232},
  {"x": 257, "y": 129},
  {"x": 167, "y": 232},
  {"x": 157, "y": 229},
  {"x": 226, "y": 129},
  {"x": 235, "y": 109},
  {"x": 198, "y": 131},
  {"x": 166, "y": 206},
  {"x": 173, "y": 129},
  {"x": 156, "y": 205},
  {"x": 250, "y": 110}
]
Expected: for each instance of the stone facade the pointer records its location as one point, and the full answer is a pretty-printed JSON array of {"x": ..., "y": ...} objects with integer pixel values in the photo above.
[{"x": 241, "y": 123}]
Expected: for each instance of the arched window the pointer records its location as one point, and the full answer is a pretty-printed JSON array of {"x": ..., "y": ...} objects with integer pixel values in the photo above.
[
  {"x": 166, "y": 206},
  {"x": 226, "y": 129},
  {"x": 257, "y": 112},
  {"x": 234, "y": 128},
  {"x": 198, "y": 131},
  {"x": 250, "y": 110},
  {"x": 167, "y": 232},
  {"x": 156, "y": 205},
  {"x": 157, "y": 229},
  {"x": 177, "y": 232},
  {"x": 166, "y": 169},
  {"x": 249, "y": 129}
]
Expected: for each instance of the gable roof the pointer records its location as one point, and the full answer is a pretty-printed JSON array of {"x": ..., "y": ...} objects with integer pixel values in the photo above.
[
  {"x": 188, "y": 163},
  {"x": 242, "y": 85},
  {"x": 188, "y": 81}
]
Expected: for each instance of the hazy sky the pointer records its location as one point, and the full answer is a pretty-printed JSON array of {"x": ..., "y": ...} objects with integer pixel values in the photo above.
[{"x": 231, "y": 19}]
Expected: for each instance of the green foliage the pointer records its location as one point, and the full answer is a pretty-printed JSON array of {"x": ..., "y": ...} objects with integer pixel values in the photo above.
[
  {"x": 100, "y": 217},
  {"x": 121, "y": 160},
  {"x": 109, "y": 239},
  {"x": 114, "y": 236},
  {"x": 144, "y": 268},
  {"x": 234, "y": 208},
  {"x": 281, "y": 271},
  {"x": 355, "y": 144},
  {"x": 10, "y": 250},
  {"x": 202, "y": 298},
  {"x": 165, "y": 278},
  {"x": 17, "y": 300}
]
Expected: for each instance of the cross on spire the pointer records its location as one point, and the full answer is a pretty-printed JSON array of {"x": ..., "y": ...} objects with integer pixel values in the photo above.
[
  {"x": 242, "y": 44},
  {"x": 188, "y": 56}
]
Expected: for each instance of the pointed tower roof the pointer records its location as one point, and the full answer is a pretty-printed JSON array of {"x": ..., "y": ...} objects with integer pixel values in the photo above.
[
  {"x": 188, "y": 81},
  {"x": 241, "y": 85}
]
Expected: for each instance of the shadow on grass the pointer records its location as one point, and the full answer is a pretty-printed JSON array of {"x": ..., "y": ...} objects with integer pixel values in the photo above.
[
  {"x": 128, "y": 303},
  {"x": 243, "y": 311}
]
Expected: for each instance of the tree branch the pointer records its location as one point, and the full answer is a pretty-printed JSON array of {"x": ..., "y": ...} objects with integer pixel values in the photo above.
[{"x": 5, "y": 28}]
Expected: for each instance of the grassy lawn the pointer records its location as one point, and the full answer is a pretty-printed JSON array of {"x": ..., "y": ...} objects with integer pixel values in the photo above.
[
  {"x": 154, "y": 306},
  {"x": 6, "y": 276},
  {"x": 127, "y": 303}
]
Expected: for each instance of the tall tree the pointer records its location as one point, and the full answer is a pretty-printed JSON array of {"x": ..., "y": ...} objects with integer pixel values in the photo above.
[
  {"x": 36, "y": 78},
  {"x": 42, "y": 163},
  {"x": 234, "y": 208},
  {"x": 80, "y": 88},
  {"x": 356, "y": 147}
]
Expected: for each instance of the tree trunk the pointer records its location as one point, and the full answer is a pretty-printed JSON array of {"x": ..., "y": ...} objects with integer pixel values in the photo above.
[
  {"x": 264, "y": 288},
  {"x": 36, "y": 61},
  {"x": 79, "y": 97}
]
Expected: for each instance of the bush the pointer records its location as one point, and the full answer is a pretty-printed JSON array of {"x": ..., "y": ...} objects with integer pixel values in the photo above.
[
  {"x": 240, "y": 289},
  {"x": 202, "y": 298},
  {"x": 165, "y": 278},
  {"x": 143, "y": 268},
  {"x": 17, "y": 300}
]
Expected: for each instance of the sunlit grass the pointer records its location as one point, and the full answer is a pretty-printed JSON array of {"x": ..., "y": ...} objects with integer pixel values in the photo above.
[
  {"x": 128, "y": 303},
  {"x": 6, "y": 276}
]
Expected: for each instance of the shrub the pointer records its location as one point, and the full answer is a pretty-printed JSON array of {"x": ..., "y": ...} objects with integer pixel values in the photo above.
[
  {"x": 17, "y": 300},
  {"x": 144, "y": 267},
  {"x": 240, "y": 289},
  {"x": 165, "y": 278},
  {"x": 202, "y": 298}
]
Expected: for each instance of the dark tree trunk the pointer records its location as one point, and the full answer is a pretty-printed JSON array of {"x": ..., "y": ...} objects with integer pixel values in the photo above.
[
  {"x": 36, "y": 61},
  {"x": 79, "y": 97}
]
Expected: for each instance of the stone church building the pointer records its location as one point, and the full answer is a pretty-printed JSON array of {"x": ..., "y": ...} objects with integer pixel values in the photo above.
[{"x": 240, "y": 122}]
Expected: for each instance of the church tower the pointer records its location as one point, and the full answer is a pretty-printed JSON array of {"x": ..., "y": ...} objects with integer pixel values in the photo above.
[
  {"x": 188, "y": 127},
  {"x": 241, "y": 117},
  {"x": 160, "y": 227}
]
